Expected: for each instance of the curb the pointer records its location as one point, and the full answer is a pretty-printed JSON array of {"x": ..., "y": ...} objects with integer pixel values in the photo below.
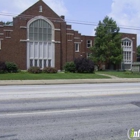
[{"x": 70, "y": 81}]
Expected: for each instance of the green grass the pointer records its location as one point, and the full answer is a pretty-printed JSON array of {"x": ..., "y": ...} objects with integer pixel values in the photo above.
[
  {"x": 44, "y": 76},
  {"x": 126, "y": 74}
]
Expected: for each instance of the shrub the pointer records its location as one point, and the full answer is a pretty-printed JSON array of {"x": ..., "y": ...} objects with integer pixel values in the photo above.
[
  {"x": 84, "y": 65},
  {"x": 2, "y": 67},
  {"x": 34, "y": 70},
  {"x": 11, "y": 67},
  {"x": 128, "y": 72},
  {"x": 69, "y": 67},
  {"x": 49, "y": 70}
]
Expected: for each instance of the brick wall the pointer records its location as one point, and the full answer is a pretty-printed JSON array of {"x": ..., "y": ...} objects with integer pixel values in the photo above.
[{"x": 13, "y": 49}]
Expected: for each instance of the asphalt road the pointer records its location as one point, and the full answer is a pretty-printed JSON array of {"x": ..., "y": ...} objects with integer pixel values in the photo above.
[{"x": 69, "y": 112}]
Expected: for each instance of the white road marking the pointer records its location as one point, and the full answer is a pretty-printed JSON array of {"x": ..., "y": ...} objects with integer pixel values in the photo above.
[
  {"x": 67, "y": 94},
  {"x": 97, "y": 108}
]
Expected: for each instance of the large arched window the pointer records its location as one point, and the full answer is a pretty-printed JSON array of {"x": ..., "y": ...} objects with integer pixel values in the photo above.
[
  {"x": 40, "y": 48},
  {"x": 40, "y": 30}
]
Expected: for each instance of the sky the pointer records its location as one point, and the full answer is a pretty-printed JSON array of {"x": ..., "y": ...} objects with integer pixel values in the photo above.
[{"x": 125, "y": 12}]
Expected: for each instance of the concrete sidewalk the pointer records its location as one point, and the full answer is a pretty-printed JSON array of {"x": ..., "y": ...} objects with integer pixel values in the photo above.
[{"x": 69, "y": 81}]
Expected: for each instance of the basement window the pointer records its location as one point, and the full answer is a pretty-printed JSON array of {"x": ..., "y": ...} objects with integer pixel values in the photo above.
[{"x": 40, "y": 8}]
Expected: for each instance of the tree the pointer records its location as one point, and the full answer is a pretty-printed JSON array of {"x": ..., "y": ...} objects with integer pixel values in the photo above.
[
  {"x": 138, "y": 50},
  {"x": 6, "y": 23},
  {"x": 107, "y": 46}
]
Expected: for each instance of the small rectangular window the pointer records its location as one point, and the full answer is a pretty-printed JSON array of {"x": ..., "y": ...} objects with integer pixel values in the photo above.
[
  {"x": 40, "y": 8},
  {"x": 76, "y": 47},
  {"x": 129, "y": 56},
  {"x": 31, "y": 62},
  {"x": 7, "y": 34},
  {"x": 40, "y": 63},
  {"x": 88, "y": 55},
  {"x": 69, "y": 37},
  {"x": 89, "y": 43},
  {"x": 35, "y": 63},
  {"x": 49, "y": 63},
  {"x": 45, "y": 63}
]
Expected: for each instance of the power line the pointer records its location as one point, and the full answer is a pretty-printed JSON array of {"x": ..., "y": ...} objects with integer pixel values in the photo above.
[{"x": 89, "y": 23}]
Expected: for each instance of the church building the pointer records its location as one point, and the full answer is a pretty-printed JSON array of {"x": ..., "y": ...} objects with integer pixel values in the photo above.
[{"x": 40, "y": 37}]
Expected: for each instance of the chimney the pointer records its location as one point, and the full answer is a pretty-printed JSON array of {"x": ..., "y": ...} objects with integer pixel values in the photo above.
[{"x": 63, "y": 17}]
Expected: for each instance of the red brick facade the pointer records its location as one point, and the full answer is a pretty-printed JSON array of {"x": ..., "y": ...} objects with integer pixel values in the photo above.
[{"x": 14, "y": 38}]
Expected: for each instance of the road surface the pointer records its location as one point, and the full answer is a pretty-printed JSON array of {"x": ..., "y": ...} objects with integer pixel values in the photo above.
[{"x": 69, "y": 112}]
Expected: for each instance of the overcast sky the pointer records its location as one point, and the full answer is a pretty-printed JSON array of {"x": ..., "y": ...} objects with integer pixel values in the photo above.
[{"x": 125, "y": 12}]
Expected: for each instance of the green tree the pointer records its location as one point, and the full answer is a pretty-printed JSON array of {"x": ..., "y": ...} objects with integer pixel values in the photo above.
[
  {"x": 138, "y": 50},
  {"x": 107, "y": 45},
  {"x": 6, "y": 23}
]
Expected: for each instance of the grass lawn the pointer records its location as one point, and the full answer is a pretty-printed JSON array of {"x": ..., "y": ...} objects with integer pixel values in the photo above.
[
  {"x": 41, "y": 76},
  {"x": 126, "y": 74}
]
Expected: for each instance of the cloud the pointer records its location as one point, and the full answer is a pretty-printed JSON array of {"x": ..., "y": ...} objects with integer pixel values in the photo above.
[
  {"x": 93, "y": 31},
  {"x": 58, "y": 6},
  {"x": 17, "y": 6},
  {"x": 127, "y": 14}
]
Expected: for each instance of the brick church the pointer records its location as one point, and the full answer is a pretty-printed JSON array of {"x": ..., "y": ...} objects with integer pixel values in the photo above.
[{"x": 39, "y": 37}]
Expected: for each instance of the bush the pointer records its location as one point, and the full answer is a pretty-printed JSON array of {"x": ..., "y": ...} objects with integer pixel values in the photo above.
[
  {"x": 84, "y": 65},
  {"x": 2, "y": 67},
  {"x": 34, "y": 70},
  {"x": 69, "y": 67},
  {"x": 11, "y": 67},
  {"x": 128, "y": 72},
  {"x": 49, "y": 70}
]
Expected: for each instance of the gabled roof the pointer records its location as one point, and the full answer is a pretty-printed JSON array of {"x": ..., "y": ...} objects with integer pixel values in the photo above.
[{"x": 34, "y": 10}]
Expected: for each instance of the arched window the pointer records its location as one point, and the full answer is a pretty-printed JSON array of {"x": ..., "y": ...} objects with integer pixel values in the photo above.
[
  {"x": 40, "y": 48},
  {"x": 40, "y": 30},
  {"x": 126, "y": 42}
]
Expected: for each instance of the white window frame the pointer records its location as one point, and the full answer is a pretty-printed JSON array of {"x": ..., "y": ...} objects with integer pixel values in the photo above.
[
  {"x": 40, "y": 8},
  {"x": 126, "y": 42},
  {"x": 89, "y": 42},
  {"x": 77, "y": 47},
  {"x": 127, "y": 56},
  {"x": 127, "y": 45},
  {"x": 47, "y": 42}
]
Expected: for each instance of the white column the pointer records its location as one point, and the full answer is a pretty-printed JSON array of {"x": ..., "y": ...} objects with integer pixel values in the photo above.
[
  {"x": 53, "y": 54},
  {"x": 131, "y": 54},
  {"x": 28, "y": 63}
]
